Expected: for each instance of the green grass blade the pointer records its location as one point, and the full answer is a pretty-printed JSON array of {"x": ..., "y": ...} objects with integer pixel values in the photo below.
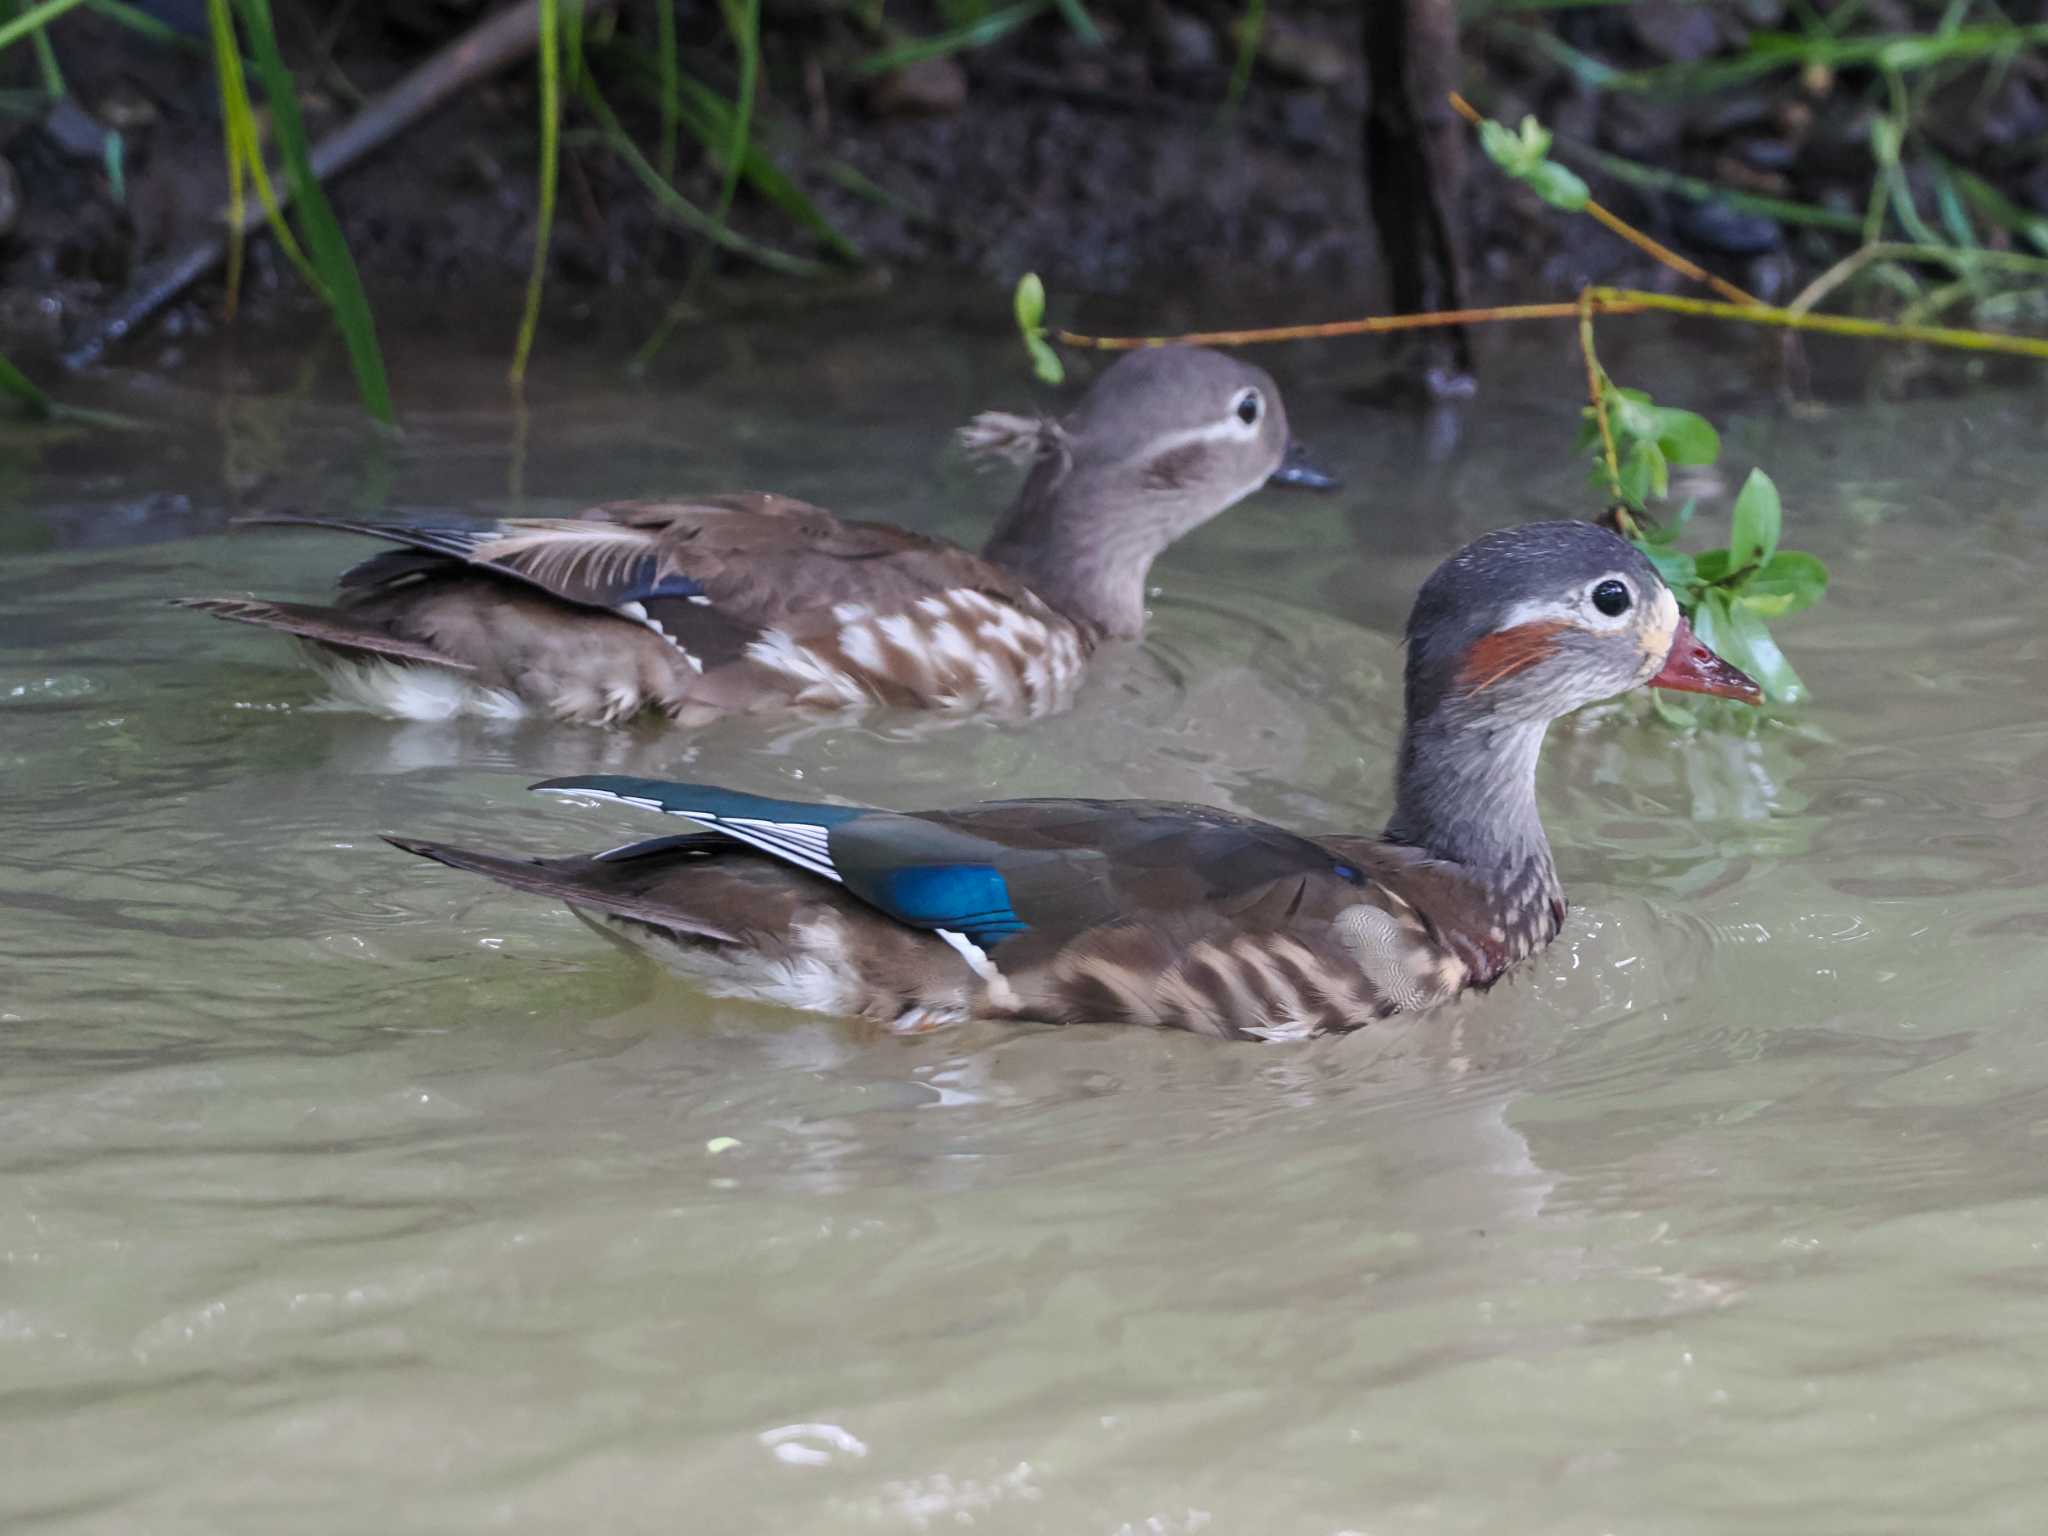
[
  {"x": 976, "y": 34},
  {"x": 570, "y": 17},
  {"x": 2001, "y": 210},
  {"x": 668, "y": 55},
  {"x": 743, "y": 22},
  {"x": 329, "y": 250},
  {"x": 33, "y": 20},
  {"x": 1078, "y": 18},
  {"x": 550, "y": 153},
  {"x": 1250, "y": 29},
  {"x": 709, "y": 118},
  {"x": 1784, "y": 210},
  {"x": 140, "y": 21},
  {"x": 46, "y": 61},
  {"x": 19, "y": 387},
  {"x": 680, "y": 208},
  {"x": 234, "y": 105},
  {"x": 245, "y": 156}
]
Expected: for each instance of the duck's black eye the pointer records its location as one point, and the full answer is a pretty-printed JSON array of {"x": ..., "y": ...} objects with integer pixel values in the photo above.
[
  {"x": 1248, "y": 407},
  {"x": 1611, "y": 598}
]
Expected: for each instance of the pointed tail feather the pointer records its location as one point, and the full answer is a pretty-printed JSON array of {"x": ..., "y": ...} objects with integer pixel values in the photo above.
[
  {"x": 334, "y": 627},
  {"x": 581, "y": 882},
  {"x": 457, "y": 541}
]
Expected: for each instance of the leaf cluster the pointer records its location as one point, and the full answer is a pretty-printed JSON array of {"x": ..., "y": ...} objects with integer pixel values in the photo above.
[{"x": 1730, "y": 594}]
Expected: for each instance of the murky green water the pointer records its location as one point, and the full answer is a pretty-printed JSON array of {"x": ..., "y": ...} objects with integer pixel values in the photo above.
[{"x": 339, "y": 1193}]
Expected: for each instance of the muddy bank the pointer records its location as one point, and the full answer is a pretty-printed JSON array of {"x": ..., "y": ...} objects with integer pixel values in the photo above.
[{"x": 1114, "y": 169}]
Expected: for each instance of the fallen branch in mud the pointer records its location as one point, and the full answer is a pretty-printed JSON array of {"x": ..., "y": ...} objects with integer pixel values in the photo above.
[{"x": 485, "y": 49}]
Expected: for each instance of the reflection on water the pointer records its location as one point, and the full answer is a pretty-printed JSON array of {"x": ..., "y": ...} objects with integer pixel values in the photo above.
[{"x": 339, "y": 1193}]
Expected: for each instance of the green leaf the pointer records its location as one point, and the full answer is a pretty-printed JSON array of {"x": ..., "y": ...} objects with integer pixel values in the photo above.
[
  {"x": 1557, "y": 186},
  {"x": 1501, "y": 146},
  {"x": 1686, "y": 437},
  {"x": 1630, "y": 415},
  {"x": 1671, "y": 714},
  {"x": 1712, "y": 565},
  {"x": 1711, "y": 625},
  {"x": 1643, "y": 473},
  {"x": 1676, "y": 567},
  {"x": 1029, "y": 304},
  {"x": 1756, "y": 652},
  {"x": 1788, "y": 582},
  {"x": 1757, "y": 522},
  {"x": 1044, "y": 361}
]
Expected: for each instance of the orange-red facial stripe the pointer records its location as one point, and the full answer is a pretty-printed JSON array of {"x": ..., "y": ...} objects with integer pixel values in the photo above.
[{"x": 1499, "y": 656}]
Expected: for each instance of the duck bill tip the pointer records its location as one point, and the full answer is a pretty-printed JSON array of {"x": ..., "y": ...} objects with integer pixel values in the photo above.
[
  {"x": 1691, "y": 667},
  {"x": 1299, "y": 471}
]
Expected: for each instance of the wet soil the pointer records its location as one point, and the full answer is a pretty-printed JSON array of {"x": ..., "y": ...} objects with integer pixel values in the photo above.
[{"x": 1112, "y": 170}]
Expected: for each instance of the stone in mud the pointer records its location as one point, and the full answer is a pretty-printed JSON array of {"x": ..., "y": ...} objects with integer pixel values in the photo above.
[
  {"x": 924, "y": 88},
  {"x": 1187, "y": 44}
]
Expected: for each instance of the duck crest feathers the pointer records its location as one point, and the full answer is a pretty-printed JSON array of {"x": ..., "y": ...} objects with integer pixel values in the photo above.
[{"x": 1021, "y": 440}]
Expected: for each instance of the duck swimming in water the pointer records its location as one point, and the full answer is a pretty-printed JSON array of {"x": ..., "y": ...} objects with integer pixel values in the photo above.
[
  {"x": 756, "y": 603},
  {"x": 1136, "y": 911}
]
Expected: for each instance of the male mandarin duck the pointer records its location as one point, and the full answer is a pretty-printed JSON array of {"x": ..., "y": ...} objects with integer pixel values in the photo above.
[
  {"x": 756, "y": 602},
  {"x": 1140, "y": 911}
]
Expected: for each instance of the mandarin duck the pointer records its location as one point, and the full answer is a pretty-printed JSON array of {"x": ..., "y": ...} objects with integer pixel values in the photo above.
[
  {"x": 1148, "y": 912},
  {"x": 754, "y": 602}
]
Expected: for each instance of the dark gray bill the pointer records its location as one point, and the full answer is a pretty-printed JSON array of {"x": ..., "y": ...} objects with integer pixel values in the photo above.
[{"x": 1300, "y": 472}]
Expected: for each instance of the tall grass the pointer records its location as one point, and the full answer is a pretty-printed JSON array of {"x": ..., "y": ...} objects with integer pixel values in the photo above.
[
  {"x": 330, "y": 253},
  {"x": 550, "y": 158}
]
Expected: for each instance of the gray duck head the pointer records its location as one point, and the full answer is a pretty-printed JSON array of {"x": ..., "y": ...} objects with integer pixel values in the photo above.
[
  {"x": 1519, "y": 627},
  {"x": 1163, "y": 441}
]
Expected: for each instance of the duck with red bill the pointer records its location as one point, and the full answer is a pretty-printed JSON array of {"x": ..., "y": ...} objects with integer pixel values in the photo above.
[{"x": 1693, "y": 668}]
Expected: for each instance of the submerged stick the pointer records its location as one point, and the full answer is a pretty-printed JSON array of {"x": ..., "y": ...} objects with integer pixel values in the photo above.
[{"x": 485, "y": 49}]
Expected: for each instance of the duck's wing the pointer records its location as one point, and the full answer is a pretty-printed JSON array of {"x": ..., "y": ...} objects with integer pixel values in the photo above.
[
  {"x": 710, "y": 571},
  {"x": 1109, "y": 910}
]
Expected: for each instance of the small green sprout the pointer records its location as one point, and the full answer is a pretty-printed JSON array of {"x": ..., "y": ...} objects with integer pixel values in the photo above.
[
  {"x": 1525, "y": 156},
  {"x": 1029, "y": 304}
]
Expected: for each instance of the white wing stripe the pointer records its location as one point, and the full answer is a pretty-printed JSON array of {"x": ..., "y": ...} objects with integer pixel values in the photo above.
[{"x": 798, "y": 843}]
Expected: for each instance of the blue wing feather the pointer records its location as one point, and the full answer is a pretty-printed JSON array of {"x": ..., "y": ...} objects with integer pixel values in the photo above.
[{"x": 967, "y": 897}]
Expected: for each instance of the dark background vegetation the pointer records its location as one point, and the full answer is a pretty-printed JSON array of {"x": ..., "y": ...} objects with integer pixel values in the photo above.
[{"x": 1295, "y": 157}]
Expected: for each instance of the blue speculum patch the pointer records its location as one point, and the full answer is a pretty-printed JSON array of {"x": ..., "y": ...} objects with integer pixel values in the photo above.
[{"x": 971, "y": 898}]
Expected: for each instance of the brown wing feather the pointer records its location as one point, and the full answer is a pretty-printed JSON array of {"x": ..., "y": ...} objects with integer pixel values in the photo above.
[
  {"x": 770, "y": 561},
  {"x": 335, "y": 627}
]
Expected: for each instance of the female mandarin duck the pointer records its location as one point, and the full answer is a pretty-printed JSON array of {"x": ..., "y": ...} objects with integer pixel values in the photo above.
[
  {"x": 756, "y": 602},
  {"x": 1132, "y": 910}
]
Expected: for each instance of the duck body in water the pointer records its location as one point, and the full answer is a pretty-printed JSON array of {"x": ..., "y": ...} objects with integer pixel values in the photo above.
[
  {"x": 756, "y": 603},
  {"x": 1065, "y": 911}
]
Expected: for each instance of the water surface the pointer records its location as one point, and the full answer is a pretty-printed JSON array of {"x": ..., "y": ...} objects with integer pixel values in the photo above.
[{"x": 339, "y": 1192}]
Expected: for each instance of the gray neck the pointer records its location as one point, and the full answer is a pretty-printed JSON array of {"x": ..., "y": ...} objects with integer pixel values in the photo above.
[
  {"x": 1467, "y": 791},
  {"x": 1088, "y": 563}
]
